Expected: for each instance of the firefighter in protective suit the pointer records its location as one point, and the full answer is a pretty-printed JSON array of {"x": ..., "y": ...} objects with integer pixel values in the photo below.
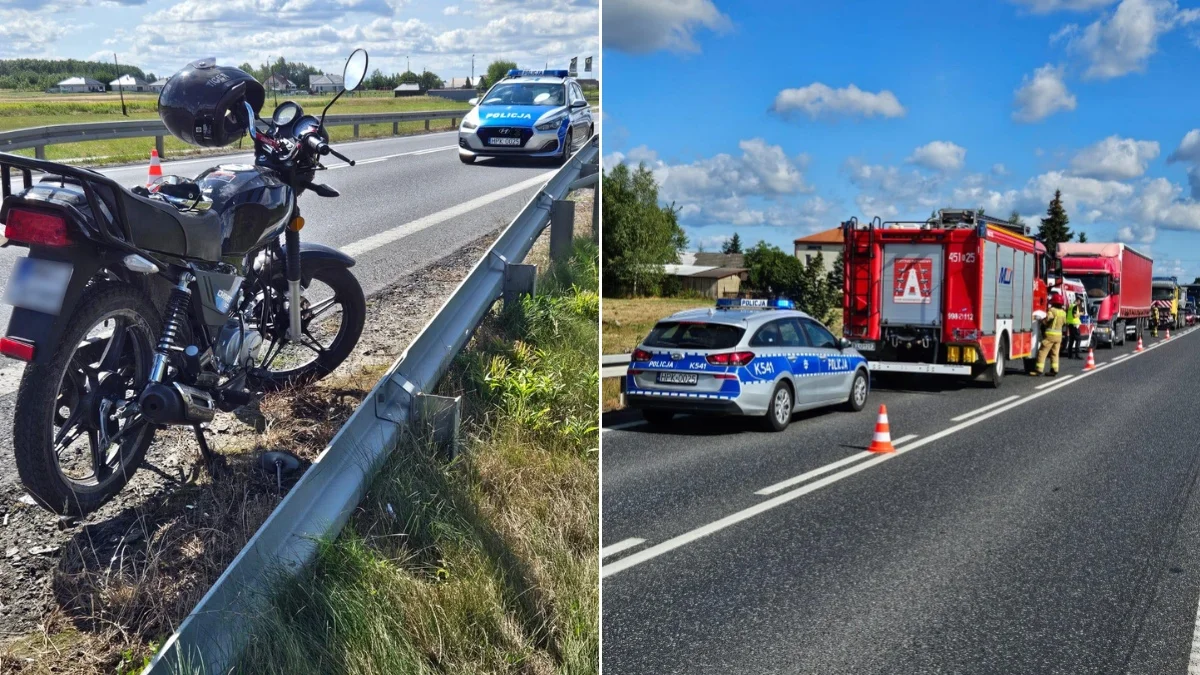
[{"x": 1052, "y": 330}]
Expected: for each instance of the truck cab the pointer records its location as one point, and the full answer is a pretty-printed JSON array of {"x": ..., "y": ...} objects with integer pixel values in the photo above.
[{"x": 1167, "y": 296}]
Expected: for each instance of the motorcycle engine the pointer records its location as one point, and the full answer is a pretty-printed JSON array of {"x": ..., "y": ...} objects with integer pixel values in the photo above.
[{"x": 237, "y": 346}]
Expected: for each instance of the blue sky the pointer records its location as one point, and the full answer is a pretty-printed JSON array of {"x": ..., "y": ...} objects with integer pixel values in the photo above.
[
  {"x": 778, "y": 119},
  {"x": 164, "y": 35}
]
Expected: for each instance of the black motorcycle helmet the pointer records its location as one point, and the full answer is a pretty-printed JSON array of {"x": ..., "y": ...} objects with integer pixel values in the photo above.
[{"x": 202, "y": 104}]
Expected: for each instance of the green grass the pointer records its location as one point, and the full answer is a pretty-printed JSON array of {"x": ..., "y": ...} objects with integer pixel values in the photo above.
[
  {"x": 488, "y": 563},
  {"x": 19, "y": 112}
]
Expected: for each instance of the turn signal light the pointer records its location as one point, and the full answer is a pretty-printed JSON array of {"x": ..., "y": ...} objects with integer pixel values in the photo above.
[
  {"x": 297, "y": 224},
  {"x": 641, "y": 355},
  {"x": 35, "y": 227},
  {"x": 730, "y": 359},
  {"x": 16, "y": 349}
]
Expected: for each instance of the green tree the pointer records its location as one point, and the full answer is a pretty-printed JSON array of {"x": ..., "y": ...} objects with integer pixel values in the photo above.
[
  {"x": 1015, "y": 218},
  {"x": 431, "y": 81},
  {"x": 979, "y": 211},
  {"x": 1053, "y": 229},
  {"x": 1083, "y": 237},
  {"x": 640, "y": 235},
  {"x": 732, "y": 245},
  {"x": 498, "y": 70},
  {"x": 409, "y": 77}
]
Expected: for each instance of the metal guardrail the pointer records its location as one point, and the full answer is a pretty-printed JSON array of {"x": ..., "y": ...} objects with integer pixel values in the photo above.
[
  {"x": 321, "y": 502},
  {"x": 39, "y": 137},
  {"x": 614, "y": 365}
]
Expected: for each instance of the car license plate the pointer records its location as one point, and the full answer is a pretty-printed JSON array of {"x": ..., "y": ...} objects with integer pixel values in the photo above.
[
  {"x": 678, "y": 378},
  {"x": 39, "y": 285},
  {"x": 504, "y": 141},
  {"x": 865, "y": 346}
]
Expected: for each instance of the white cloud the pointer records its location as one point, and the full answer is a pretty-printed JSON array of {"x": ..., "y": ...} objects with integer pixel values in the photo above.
[
  {"x": 1048, "y": 6},
  {"x": 888, "y": 191},
  {"x": 1042, "y": 95},
  {"x": 939, "y": 156},
  {"x": 450, "y": 10},
  {"x": 644, "y": 26},
  {"x": 819, "y": 100},
  {"x": 1189, "y": 148},
  {"x": 1115, "y": 158},
  {"x": 1123, "y": 42},
  {"x": 25, "y": 34},
  {"x": 999, "y": 169}
]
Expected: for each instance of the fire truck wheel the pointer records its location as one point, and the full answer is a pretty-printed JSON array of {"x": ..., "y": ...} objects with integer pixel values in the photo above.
[
  {"x": 991, "y": 375},
  {"x": 779, "y": 409},
  {"x": 858, "y": 392}
]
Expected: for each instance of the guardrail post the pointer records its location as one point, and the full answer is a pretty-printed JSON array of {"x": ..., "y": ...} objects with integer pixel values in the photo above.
[
  {"x": 439, "y": 417},
  {"x": 356, "y": 131},
  {"x": 562, "y": 229},
  {"x": 39, "y": 151},
  {"x": 426, "y": 125},
  {"x": 158, "y": 145},
  {"x": 453, "y": 122},
  {"x": 519, "y": 279},
  {"x": 395, "y": 128}
]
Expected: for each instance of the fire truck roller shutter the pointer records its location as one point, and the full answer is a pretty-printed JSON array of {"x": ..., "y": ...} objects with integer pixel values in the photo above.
[
  {"x": 912, "y": 284},
  {"x": 987, "y": 314}
]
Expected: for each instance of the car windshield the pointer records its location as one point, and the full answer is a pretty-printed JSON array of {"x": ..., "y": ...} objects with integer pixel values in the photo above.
[
  {"x": 1163, "y": 294},
  {"x": 1096, "y": 285},
  {"x": 690, "y": 335},
  {"x": 526, "y": 93}
]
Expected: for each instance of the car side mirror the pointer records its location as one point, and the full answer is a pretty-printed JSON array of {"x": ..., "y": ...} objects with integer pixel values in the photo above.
[
  {"x": 579, "y": 104},
  {"x": 844, "y": 344},
  {"x": 473, "y": 101}
]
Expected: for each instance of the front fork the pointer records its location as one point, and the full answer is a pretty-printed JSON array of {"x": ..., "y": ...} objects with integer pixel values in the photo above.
[{"x": 292, "y": 238}]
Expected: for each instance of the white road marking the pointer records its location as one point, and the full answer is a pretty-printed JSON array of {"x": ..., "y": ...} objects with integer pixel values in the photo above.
[
  {"x": 623, "y": 545},
  {"x": 1125, "y": 356},
  {"x": 985, "y": 408},
  {"x": 372, "y": 160},
  {"x": 796, "y": 480},
  {"x": 624, "y": 425},
  {"x": 737, "y": 517},
  {"x": 400, "y": 231},
  {"x": 1055, "y": 381}
]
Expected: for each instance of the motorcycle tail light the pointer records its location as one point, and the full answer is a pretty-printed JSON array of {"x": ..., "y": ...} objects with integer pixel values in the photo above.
[
  {"x": 730, "y": 359},
  {"x": 16, "y": 349},
  {"x": 35, "y": 227},
  {"x": 641, "y": 355}
]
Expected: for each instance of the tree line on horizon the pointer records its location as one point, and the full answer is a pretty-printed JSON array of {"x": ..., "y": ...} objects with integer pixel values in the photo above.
[{"x": 42, "y": 74}]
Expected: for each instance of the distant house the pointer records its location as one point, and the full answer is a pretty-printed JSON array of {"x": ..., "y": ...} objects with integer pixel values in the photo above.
[
  {"x": 458, "y": 83},
  {"x": 411, "y": 89},
  {"x": 129, "y": 83},
  {"x": 827, "y": 242},
  {"x": 325, "y": 84},
  {"x": 278, "y": 82},
  {"x": 713, "y": 275},
  {"x": 80, "y": 85},
  {"x": 157, "y": 85}
]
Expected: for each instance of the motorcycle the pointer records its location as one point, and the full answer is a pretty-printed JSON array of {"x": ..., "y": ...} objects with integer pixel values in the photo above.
[{"x": 142, "y": 309}]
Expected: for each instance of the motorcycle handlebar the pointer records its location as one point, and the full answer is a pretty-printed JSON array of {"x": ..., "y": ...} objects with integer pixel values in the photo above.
[{"x": 319, "y": 146}]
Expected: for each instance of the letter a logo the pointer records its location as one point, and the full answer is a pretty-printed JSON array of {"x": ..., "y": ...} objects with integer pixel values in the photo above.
[{"x": 913, "y": 281}]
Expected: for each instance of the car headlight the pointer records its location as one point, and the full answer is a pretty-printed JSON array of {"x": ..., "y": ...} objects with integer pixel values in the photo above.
[
  {"x": 468, "y": 124},
  {"x": 551, "y": 124}
]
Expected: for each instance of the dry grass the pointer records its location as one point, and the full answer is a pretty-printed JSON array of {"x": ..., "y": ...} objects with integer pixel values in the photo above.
[
  {"x": 626, "y": 322},
  {"x": 486, "y": 564}
]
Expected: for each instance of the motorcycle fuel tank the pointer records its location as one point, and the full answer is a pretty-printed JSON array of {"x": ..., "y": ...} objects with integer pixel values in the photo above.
[{"x": 253, "y": 205}]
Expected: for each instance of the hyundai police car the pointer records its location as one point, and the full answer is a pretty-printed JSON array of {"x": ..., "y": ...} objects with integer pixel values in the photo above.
[
  {"x": 750, "y": 357},
  {"x": 530, "y": 113}
]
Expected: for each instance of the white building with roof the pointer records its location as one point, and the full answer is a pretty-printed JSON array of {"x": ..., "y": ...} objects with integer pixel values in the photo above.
[{"x": 80, "y": 85}]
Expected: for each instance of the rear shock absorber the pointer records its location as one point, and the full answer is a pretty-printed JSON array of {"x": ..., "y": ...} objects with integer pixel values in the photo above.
[{"x": 173, "y": 322}]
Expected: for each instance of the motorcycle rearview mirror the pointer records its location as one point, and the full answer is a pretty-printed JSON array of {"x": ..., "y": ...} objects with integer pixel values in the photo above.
[{"x": 352, "y": 76}]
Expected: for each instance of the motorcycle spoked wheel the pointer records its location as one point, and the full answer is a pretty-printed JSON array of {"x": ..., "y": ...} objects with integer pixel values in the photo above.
[
  {"x": 67, "y": 406},
  {"x": 332, "y": 313}
]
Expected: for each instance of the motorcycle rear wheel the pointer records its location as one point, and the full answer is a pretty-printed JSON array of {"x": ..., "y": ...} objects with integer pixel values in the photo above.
[{"x": 105, "y": 354}]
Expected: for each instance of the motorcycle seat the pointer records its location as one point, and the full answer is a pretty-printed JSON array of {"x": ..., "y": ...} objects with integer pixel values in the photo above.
[{"x": 158, "y": 226}]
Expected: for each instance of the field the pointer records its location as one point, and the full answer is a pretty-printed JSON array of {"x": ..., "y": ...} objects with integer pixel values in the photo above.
[{"x": 20, "y": 110}]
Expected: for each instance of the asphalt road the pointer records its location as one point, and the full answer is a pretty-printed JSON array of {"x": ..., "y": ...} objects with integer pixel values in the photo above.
[
  {"x": 1056, "y": 532},
  {"x": 406, "y": 204}
]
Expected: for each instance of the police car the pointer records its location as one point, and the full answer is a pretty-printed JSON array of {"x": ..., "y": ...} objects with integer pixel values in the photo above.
[
  {"x": 530, "y": 113},
  {"x": 752, "y": 357}
]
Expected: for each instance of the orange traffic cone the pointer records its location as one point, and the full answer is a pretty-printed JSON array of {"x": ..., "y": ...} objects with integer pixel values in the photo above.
[
  {"x": 1168, "y": 337},
  {"x": 155, "y": 167},
  {"x": 1140, "y": 348},
  {"x": 882, "y": 441},
  {"x": 1091, "y": 362}
]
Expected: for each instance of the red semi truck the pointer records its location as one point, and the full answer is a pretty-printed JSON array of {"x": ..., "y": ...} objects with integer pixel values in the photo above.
[
  {"x": 1118, "y": 281},
  {"x": 954, "y": 295}
]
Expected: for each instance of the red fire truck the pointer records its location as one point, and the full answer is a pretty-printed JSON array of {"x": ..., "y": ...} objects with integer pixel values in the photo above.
[{"x": 954, "y": 295}]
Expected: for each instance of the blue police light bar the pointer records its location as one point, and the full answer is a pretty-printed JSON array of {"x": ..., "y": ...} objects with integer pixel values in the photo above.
[
  {"x": 534, "y": 73},
  {"x": 754, "y": 303}
]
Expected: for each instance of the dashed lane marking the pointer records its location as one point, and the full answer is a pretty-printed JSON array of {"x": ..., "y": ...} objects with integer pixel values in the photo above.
[
  {"x": 985, "y": 408},
  {"x": 623, "y": 545},
  {"x": 796, "y": 480}
]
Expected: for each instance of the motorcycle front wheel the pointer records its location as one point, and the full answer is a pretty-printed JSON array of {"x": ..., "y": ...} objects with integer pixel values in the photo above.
[
  {"x": 333, "y": 310},
  {"x": 76, "y": 439}
]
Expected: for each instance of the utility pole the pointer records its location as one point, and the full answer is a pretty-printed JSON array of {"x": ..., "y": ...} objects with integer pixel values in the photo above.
[
  {"x": 120, "y": 90},
  {"x": 271, "y": 78},
  {"x": 472, "y": 67},
  {"x": 407, "y": 67}
]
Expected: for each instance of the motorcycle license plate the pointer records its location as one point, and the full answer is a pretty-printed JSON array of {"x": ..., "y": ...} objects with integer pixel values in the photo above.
[
  {"x": 39, "y": 285},
  {"x": 678, "y": 378},
  {"x": 504, "y": 141}
]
